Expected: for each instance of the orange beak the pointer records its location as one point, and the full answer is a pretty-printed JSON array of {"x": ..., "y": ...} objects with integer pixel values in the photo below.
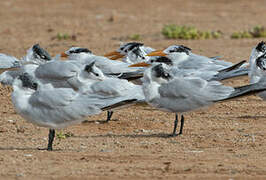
[
  {"x": 142, "y": 64},
  {"x": 116, "y": 57},
  {"x": 63, "y": 54},
  {"x": 157, "y": 53},
  {"x": 114, "y": 53}
]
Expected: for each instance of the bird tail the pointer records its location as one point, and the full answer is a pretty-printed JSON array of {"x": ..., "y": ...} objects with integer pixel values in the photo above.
[
  {"x": 233, "y": 71},
  {"x": 119, "y": 104},
  {"x": 235, "y": 66},
  {"x": 245, "y": 91}
]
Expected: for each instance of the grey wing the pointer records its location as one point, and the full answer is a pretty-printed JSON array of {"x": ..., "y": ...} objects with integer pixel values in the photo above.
[
  {"x": 53, "y": 97},
  {"x": 206, "y": 75},
  {"x": 110, "y": 66},
  {"x": 7, "y": 77},
  {"x": 57, "y": 70},
  {"x": 59, "y": 107},
  {"x": 185, "y": 94},
  {"x": 7, "y": 61},
  {"x": 203, "y": 63},
  {"x": 64, "y": 99},
  {"x": 113, "y": 90}
]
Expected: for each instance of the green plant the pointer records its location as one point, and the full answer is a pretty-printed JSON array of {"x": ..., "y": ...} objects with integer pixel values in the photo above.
[
  {"x": 188, "y": 32},
  {"x": 135, "y": 37},
  {"x": 255, "y": 32},
  {"x": 61, "y": 135},
  {"x": 258, "y": 31},
  {"x": 62, "y": 36}
]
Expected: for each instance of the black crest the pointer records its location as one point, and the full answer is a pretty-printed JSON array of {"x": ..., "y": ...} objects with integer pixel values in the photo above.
[
  {"x": 41, "y": 53},
  {"x": 27, "y": 81},
  {"x": 159, "y": 72},
  {"x": 137, "y": 51},
  {"x": 89, "y": 67},
  {"x": 131, "y": 45},
  {"x": 80, "y": 50},
  {"x": 261, "y": 62},
  {"x": 181, "y": 48},
  {"x": 261, "y": 47},
  {"x": 163, "y": 59}
]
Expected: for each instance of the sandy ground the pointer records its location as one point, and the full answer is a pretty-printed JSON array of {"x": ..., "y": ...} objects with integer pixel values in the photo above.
[{"x": 225, "y": 141}]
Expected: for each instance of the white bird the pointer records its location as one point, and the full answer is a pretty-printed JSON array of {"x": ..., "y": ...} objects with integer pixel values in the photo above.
[
  {"x": 184, "y": 94},
  {"x": 56, "y": 108},
  {"x": 132, "y": 52},
  {"x": 88, "y": 79},
  {"x": 258, "y": 66},
  {"x": 112, "y": 68}
]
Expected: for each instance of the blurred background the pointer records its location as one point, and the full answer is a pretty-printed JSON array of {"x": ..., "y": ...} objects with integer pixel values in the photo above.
[{"x": 102, "y": 25}]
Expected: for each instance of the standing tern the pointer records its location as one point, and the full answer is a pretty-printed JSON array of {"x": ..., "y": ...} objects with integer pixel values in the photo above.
[
  {"x": 88, "y": 79},
  {"x": 184, "y": 94},
  {"x": 54, "y": 108}
]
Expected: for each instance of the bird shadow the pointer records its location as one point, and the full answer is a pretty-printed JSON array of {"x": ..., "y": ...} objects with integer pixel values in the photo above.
[
  {"x": 22, "y": 149},
  {"x": 250, "y": 117},
  {"x": 157, "y": 135},
  {"x": 97, "y": 121}
]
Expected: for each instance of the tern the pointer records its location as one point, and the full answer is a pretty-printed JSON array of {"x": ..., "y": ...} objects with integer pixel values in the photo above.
[
  {"x": 88, "y": 79},
  {"x": 183, "y": 94},
  {"x": 85, "y": 56},
  {"x": 132, "y": 52},
  {"x": 55, "y": 108},
  {"x": 258, "y": 66}
]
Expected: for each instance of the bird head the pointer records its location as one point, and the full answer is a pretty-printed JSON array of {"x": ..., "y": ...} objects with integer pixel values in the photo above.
[{"x": 75, "y": 53}]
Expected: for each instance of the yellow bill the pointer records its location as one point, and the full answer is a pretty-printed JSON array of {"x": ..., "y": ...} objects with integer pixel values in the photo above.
[
  {"x": 114, "y": 53},
  {"x": 157, "y": 53},
  {"x": 63, "y": 54},
  {"x": 141, "y": 64}
]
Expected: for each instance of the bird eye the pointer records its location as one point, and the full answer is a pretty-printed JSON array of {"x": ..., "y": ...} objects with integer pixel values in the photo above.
[
  {"x": 34, "y": 86},
  {"x": 96, "y": 74}
]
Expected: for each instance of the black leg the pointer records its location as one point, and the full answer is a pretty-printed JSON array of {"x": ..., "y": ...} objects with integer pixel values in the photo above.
[
  {"x": 50, "y": 139},
  {"x": 175, "y": 125},
  {"x": 109, "y": 115},
  {"x": 182, "y": 124}
]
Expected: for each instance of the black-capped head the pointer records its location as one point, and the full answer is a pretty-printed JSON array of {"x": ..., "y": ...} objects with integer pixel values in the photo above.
[
  {"x": 261, "y": 62},
  {"x": 40, "y": 53},
  {"x": 79, "y": 50},
  {"x": 179, "y": 48},
  {"x": 159, "y": 72},
  {"x": 27, "y": 81},
  {"x": 162, "y": 59},
  {"x": 261, "y": 47},
  {"x": 130, "y": 46},
  {"x": 89, "y": 67}
]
